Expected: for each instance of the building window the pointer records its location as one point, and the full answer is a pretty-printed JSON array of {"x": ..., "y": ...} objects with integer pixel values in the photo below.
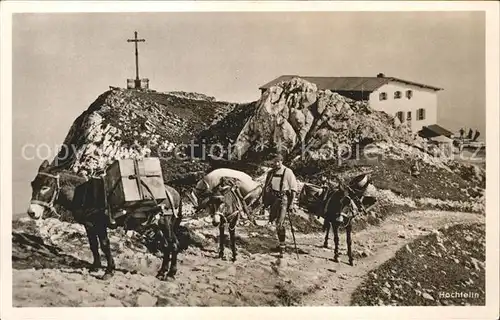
[
  {"x": 382, "y": 96},
  {"x": 397, "y": 95},
  {"x": 421, "y": 114},
  {"x": 408, "y": 116},
  {"x": 409, "y": 94},
  {"x": 400, "y": 116}
]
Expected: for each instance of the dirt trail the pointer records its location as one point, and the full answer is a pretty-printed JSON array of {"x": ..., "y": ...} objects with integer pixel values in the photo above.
[
  {"x": 257, "y": 278},
  {"x": 382, "y": 242}
]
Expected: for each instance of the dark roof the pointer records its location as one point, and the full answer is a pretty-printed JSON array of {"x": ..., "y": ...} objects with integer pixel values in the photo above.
[
  {"x": 347, "y": 83},
  {"x": 434, "y": 130}
]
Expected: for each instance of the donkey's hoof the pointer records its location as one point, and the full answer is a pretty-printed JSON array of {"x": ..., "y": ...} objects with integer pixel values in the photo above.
[
  {"x": 107, "y": 275},
  {"x": 94, "y": 267},
  {"x": 171, "y": 275},
  {"x": 325, "y": 245},
  {"x": 351, "y": 262},
  {"x": 335, "y": 259},
  {"x": 233, "y": 259},
  {"x": 161, "y": 276},
  {"x": 172, "y": 272}
]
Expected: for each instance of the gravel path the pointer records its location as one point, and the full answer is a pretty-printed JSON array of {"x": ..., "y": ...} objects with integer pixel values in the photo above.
[{"x": 257, "y": 278}]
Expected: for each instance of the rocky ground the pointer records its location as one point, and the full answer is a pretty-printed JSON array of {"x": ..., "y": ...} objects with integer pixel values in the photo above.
[
  {"x": 437, "y": 269},
  {"x": 49, "y": 261},
  {"x": 50, "y": 257}
]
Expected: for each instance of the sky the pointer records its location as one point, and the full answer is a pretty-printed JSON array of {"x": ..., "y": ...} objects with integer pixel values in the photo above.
[{"x": 63, "y": 61}]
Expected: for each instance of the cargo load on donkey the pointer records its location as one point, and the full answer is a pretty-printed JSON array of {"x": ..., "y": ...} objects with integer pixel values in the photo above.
[
  {"x": 313, "y": 197},
  {"x": 134, "y": 186},
  {"x": 130, "y": 188}
]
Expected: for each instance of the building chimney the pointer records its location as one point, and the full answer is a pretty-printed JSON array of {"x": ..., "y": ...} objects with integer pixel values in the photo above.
[{"x": 380, "y": 75}]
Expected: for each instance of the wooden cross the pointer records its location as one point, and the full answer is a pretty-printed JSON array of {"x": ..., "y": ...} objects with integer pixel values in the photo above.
[{"x": 136, "y": 54}]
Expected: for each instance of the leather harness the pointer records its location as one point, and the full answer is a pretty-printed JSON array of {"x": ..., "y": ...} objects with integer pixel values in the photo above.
[
  {"x": 239, "y": 205},
  {"x": 50, "y": 205}
]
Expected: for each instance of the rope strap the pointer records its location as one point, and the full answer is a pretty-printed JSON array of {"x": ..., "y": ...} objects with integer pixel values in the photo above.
[
  {"x": 47, "y": 205},
  {"x": 171, "y": 202},
  {"x": 50, "y": 205}
]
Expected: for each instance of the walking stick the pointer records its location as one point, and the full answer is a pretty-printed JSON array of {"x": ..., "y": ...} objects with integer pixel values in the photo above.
[{"x": 293, "y": 234}]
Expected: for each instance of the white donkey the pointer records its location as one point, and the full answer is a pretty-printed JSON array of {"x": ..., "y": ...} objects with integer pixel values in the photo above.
[{"x": 202, "y": 194}]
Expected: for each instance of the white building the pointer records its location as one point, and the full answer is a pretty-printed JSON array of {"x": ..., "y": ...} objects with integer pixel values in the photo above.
[{"x": 410, "y": 101}]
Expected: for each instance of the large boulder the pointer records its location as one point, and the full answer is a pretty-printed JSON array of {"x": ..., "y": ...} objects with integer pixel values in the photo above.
[{"x": 296, "y": 115}]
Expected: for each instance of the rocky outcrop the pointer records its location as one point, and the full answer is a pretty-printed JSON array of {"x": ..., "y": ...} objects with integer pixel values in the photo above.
[
  {"x": 191, "y": 95},
  {"x": 296, "y": 115},
  {"x": 326, "y": 134},
  {"x": 225, "y": 132},
  {"x": 311, "y": 125},
  {"x": 133, "y": 124}
]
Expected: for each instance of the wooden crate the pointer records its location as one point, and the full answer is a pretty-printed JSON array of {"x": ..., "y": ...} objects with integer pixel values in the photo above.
[{"x": 126, "y": 181}]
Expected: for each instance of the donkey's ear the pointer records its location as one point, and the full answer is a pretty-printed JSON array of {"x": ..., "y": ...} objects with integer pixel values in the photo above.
[{"x": 44, "y": 165}]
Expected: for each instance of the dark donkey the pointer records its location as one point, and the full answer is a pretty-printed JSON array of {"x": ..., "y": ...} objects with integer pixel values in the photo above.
[
  {"x": 337, "y": 206},
  {"x": 55, "y": 186},
  {"x": 340, "y": 208}
]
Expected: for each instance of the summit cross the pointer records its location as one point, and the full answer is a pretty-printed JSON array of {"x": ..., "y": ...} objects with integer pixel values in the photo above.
[{"x": 135, "y": 40}]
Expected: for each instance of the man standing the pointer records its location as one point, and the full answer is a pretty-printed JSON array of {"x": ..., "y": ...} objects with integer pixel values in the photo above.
[
  {"x": 469, "y": 136},
  {"x": 281, "y": 188},
  {"x": 476, "y": 135}
]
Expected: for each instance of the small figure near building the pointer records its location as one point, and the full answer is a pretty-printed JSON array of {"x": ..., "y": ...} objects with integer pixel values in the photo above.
[
  {"x": 469, "y": 135},
  {"x": 476, "y": 135}
]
